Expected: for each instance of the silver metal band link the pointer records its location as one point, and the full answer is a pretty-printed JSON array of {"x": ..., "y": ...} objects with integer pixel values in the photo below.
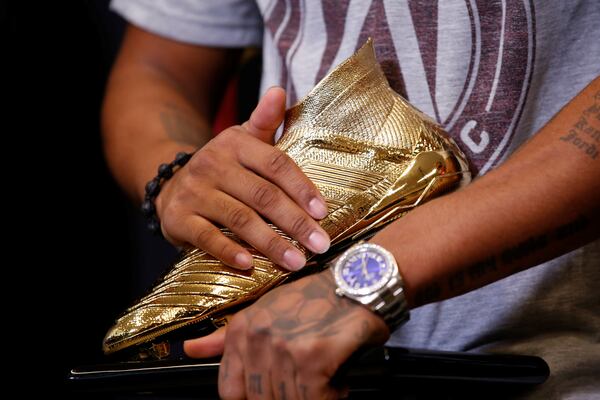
[{"x": 391, "y": 304}]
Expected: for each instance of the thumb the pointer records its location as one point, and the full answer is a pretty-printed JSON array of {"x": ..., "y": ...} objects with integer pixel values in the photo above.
[
  {"x": 207, "y": 346},
  {"x": 268, "y": 115}
]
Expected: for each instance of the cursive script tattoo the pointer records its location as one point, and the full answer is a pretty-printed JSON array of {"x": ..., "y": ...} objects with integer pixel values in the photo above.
[{"x": 585, "y": 133}]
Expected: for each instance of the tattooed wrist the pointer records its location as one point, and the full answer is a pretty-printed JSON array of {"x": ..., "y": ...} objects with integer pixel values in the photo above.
[{"x": 308, "y": 307}]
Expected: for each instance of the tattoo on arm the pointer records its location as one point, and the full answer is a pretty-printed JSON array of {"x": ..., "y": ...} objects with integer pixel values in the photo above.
[
  {"x": 524, "y": 249},
  {"x": 537, "y": 243},
  {"x": 572, "y": 228},
  {"x": 317, "y": 311},
  {"x": 585, "y": 133},
  {"x": 180, "y": 127},
  {"x": 481, "y": 270}
]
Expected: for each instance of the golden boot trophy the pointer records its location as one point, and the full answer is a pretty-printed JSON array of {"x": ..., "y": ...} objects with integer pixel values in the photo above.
[{"x": 372, "y": 155}]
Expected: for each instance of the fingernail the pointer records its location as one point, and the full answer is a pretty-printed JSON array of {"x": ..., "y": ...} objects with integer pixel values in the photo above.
[
  {"x": 243, "y": 260},
  {"x": 294, "y": 260},
  {"x": 319, "y": 242},
  {"x": 317, "y": 208}
]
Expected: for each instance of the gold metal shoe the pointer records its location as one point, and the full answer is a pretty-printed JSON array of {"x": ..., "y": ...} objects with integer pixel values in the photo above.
[{"x": 372, "y": 155}]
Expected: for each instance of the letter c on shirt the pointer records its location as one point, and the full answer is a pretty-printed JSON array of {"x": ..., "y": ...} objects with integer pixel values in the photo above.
[{"x": 484, "y": 138}]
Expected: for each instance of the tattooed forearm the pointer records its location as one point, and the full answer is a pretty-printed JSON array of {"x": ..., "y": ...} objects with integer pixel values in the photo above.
[
  {"x": 507, "y": 258},
  {"x": 458, "y": 280},
  {"x": 180, "y": 127},
  {"x": 481, "y": 268},
  {"x": 572, "y": 228},
  {"x": 540, "y": 242},
  {"x": 585, "y": 133},
  {"x": 524, "y": 249}
]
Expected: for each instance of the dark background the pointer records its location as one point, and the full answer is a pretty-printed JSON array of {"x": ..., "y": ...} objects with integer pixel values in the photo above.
[
  {"x": 76, "y": 241},
  {"x": 78, "y": 252}
]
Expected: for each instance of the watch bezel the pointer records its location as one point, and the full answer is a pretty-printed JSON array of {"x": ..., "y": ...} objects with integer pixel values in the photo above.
[{"x": 380, "y": 284}]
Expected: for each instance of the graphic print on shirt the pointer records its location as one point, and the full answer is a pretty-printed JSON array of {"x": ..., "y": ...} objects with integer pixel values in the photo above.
[{"x": 466, "y": 63}]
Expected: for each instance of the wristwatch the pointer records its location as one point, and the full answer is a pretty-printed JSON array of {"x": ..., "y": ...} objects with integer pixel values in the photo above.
[{"x": 368, "y": 274}]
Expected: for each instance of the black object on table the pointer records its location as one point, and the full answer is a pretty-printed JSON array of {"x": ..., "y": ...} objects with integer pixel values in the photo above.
[{"x": 383, "y": 372}]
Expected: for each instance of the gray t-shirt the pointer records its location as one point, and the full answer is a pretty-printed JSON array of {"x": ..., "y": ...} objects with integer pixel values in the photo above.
[{"x": 492, "y": 73}]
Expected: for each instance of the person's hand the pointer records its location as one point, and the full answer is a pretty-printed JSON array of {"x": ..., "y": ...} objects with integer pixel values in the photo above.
[
  {"x": 290, "y": 343},
  {"x": 235, "y": 179}
]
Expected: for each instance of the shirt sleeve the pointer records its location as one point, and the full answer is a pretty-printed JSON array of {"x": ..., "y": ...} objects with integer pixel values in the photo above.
[{"x": 215, "y": 23}]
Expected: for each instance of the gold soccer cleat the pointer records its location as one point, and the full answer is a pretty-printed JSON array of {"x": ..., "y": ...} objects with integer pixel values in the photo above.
[{"x": 373, "y": 157}]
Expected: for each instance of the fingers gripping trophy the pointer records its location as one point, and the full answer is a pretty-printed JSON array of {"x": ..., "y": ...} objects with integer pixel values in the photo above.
[{"x": 373, "y": 157}]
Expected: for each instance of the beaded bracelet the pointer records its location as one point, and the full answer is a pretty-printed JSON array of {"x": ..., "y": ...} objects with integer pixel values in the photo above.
[{"x": 165, "y": 172}]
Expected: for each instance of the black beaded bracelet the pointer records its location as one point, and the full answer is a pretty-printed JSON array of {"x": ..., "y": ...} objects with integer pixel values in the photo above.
[{"x": 165, "y": 172}]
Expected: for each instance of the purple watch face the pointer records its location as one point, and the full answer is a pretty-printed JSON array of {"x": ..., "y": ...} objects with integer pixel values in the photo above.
[{"x": 364, "y": 269}]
